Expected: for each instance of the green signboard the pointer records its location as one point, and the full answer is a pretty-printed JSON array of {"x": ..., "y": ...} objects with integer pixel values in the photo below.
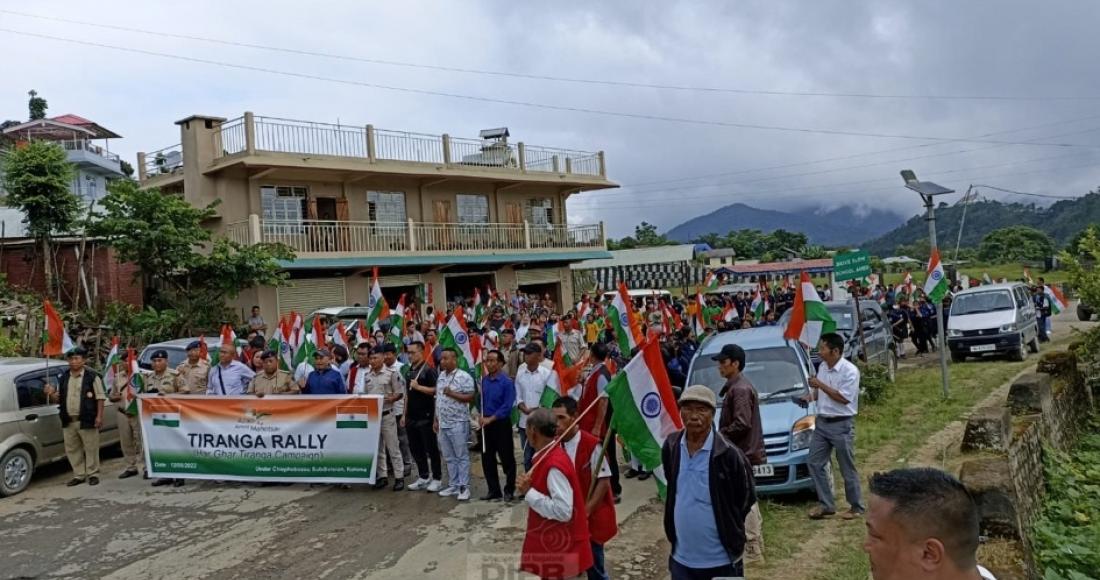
[{"x": 851, "y": 265}]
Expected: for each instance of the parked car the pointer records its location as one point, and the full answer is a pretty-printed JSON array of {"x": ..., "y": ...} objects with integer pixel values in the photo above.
[
  {"x": 1084, "y": 312},
  {"x": 881, "y": 347},
  {"x": 30, "y": 430},
  {"x": 177, "y": 350},
  {"x": 779, "y": 369},
  {"x": 993, "y": 319}
]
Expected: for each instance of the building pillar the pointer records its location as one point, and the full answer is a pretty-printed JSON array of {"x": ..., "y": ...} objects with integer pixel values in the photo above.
[
  {"x": 255, "y": 233},
  {"x": 522, "y": 152},
  {"x": 603, "y": 164},
  {"x": 141, "y": 166},
  {"x": 446, "y": 150},
  {"x": 372, "y": 152},
  {"x": 249, "y": 133}
]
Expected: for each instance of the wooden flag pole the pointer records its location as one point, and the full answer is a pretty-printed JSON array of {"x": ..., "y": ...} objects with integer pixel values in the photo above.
[
  {"x": 599, "y": 462},
  {"x": 557, "y": 440}
]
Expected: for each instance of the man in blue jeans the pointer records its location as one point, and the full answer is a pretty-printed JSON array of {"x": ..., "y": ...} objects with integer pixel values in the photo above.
[
  {"x": 836, "y": 390},
  {"x": 454, "y": 390}
]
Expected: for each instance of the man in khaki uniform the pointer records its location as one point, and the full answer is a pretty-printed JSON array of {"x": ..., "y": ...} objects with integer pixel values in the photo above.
[
  {"x": 81, "y": 399},
  {"x": 129, "y": 424},
  {"x": 193, "y": 372},
  {"x": 383, "y": 381},
  {"x": 272, "y": 381}
]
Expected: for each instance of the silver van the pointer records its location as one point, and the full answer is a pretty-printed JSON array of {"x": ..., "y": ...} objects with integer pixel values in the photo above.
[
  {"x": 30, "y": 431},
  {"x": 993, "y": 319}
]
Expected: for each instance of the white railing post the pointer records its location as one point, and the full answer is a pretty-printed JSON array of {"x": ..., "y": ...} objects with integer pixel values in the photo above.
[
  {"x": 526, "y": 234},
  {"x": 522, "y": 156},
  {"x": 372, "y": 153},
  {"x": 569, "y": 165},
  {"x": 249, "y": 133},
  {"x": 603, "y": 240},
  {"x": 412, "y": 235},
  {"x": 446, "y": 149},
  {"x": 603, "y": 164},
  {"x": 554, "y": 163},
  {"x": 255, "y": 235}
]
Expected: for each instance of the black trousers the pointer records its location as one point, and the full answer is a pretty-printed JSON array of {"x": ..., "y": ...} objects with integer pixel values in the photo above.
[
  {"x": 425, "y": 448},
  {"x": 498, "y": 444},
  {"x": 613, "y": 462}
]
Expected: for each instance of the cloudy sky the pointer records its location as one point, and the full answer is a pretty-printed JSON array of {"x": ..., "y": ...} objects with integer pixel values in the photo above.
[{"x": 677, "y": 152}]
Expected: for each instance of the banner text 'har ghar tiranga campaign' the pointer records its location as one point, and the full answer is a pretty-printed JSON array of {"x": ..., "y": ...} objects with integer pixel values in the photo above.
[{"x": 314, "y": 439}]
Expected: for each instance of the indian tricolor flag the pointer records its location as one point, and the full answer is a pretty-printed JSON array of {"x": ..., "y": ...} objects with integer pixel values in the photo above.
[
  {"x": 397, "y": 329},
  {"x": 167, "y": 418},
  {"x": 379, "y": 310},
  {"x": 645, "y": 410},
  {"x": 935, "y": 285},
  {"x": 351, "y": 417},
  {"x": 626, "y": 329},
  {"x": 455, "y": 335},
  {"x": 57, "y": 340},
  {"x": 809, "y": 317},
  {"x": 710, "y": 282},
  {"x": 1058, "y": 301}
]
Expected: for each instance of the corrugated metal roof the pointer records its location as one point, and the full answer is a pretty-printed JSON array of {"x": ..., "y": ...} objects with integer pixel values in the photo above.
[
  {"x": 654, "y": 255},
  {"x": 770, "y": 267}
]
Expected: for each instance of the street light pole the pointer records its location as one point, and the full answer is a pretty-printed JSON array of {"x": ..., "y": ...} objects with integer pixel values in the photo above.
[{"x": 928, "y": 191}]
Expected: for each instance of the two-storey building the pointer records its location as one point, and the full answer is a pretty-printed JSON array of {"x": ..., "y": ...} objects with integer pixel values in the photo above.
[
  {"x": 438, "y": 215},
  {"x": 87, "y": 147}
]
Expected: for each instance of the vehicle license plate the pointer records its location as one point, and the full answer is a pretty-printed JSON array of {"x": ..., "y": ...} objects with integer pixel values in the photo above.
[
  {"x": 983, "y": 348},
  {"x": 765, "y": 470}
]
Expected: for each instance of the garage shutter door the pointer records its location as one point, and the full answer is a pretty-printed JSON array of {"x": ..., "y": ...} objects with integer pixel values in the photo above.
[
  {"x": 538, "y": 276},
  {"x": 308, "y": 294},
  {"x": 399, "y": 280}
]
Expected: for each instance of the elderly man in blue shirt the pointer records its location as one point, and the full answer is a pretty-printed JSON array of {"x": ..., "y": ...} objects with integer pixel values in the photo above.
[
  {"x": 324, "y": 380},
  {"x": 705, "y": 523},
  {"x": 230, "y": 376},
  {"x": 498, "y": 396}
]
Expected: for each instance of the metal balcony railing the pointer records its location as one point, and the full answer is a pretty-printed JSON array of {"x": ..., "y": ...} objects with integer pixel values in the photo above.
[
  {"x": 164, "y": 161},
  {"x": 88, "y": 146}
]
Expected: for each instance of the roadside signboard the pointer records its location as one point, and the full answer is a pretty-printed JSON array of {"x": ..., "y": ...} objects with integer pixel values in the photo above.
[{"x": 851, "y": 265}]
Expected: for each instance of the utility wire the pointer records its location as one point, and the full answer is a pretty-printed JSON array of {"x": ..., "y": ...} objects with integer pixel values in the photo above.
[
  {"x": 1044, "y": 195},
  {"x": 553, "y": 78},
  {"x": 529, "y": 104}
]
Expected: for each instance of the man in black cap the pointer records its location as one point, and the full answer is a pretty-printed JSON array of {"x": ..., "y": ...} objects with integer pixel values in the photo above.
[
  {"x": 163, "y": 380},
  {"x": 193, "y": 372},
  {"x": 81, "y": 399},
  {"x": 740, "y": 424},
  {"x": 271, "y": 380}
]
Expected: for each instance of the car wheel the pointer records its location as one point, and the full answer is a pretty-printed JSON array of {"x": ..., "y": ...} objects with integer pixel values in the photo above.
[
  {"x": 16, "y": 469},
  {"x": 1084, "y": 313},
  {"x": 1021, "y": 352},
  {"x": 892, "y": 366},
  {"x": 1033, "y": 346},
  {"x": 955, "y": 357}
]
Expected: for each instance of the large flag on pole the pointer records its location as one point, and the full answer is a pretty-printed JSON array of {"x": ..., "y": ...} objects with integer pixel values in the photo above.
[
  {"x": 935, "y": 285},
  {"x": 809, "y": 317},
  {"x": 281, "y": 346},
  {"x": 136, "y": 383},
  {"x": 379, "y": 310},
  {"x": 109, "y": 374},
  {"x": 627, "y": 333},
  {"x": 57, "y": 340},
  {"x": 1057, "y": 299},
  {"x": 645, "y": 410},
  {"x": 565, "y": 377},
  {"x": 456, "y": 336}
]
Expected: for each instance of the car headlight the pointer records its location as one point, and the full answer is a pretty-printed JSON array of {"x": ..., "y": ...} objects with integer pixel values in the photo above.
[
  {"x": 801, "y": 433},
  {"x": 954, "y": 332},
  {"x": 1008, "y": 327}
]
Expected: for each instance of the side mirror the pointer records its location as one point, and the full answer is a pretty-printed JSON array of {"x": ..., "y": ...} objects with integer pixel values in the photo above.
[{"x": 868, "y": 325}]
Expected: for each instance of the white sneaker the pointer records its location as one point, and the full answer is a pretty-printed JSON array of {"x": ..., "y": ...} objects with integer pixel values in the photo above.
[
  {"x": 417, "y": 485},
  {"x": 451, "y": 490},
  {"x": 464, "y": 495},
  {"x": 435, "y": 485}
]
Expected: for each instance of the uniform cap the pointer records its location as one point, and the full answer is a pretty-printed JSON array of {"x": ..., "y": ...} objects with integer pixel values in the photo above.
[{"x": 159, "y": 353}]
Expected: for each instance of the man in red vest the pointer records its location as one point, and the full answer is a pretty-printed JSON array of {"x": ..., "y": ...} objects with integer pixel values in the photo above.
[
  {"x": 557, "y": 542},
  {"x": 598, "y": 421},
  {"x": 584, "y": 449}
]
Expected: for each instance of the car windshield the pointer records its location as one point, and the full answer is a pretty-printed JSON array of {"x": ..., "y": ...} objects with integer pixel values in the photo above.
[
  {"x": 841, "y": 313},
  {"x": 770, "y": 370},
  {"x": 981, "y": 302}
]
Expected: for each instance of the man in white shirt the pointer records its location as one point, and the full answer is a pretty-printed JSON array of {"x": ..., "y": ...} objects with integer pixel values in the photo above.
[
  {"x": 836, "y": 390},
  {"x": 454, "y": 391},
  {"x": 389, "y": 351},
  {"x": 531, "y": 379},
  {"x": 923, "y": 523}
]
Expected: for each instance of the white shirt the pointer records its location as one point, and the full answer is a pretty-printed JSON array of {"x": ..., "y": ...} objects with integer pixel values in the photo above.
[
  {"x": 570, "y": 448},
  {"x": 398, "y": 405},
  {"x": 529, "y": 386},
  {"x": 844, "y": 377},
  {"x": 557, "y": 506},
  {"x": 345, "y": 368},
  {"x": 360, "y": 386},
  {"x": 301, "y": 372}
]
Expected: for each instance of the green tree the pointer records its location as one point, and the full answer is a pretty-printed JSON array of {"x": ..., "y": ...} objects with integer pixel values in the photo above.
[
  {"x": 164, "y": 237},
  {"x": 1015, "y": 244},
  {"x": 646, "y": 235},
  {"x": 1084, "y": 276},
  {"x": 37, "y": 177},
  {"x": 36, "y": 106}
]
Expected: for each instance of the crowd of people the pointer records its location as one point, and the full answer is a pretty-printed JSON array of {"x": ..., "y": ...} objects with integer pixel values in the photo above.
[{"x": 437, "y": 411}]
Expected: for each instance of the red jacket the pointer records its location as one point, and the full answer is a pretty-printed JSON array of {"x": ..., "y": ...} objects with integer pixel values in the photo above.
[
  {"x": 602, "y": 525},
  {"x": 553, "y": 549},
  {"x": 590, "y": 422}
]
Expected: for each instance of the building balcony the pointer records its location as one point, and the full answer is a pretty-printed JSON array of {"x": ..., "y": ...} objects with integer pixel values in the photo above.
[
  {"x": 161, "y": 167},
  {"x": 269, "y": 142},
  {"x": 86, "y": 154},
  {"x": 320, "y": 243}
]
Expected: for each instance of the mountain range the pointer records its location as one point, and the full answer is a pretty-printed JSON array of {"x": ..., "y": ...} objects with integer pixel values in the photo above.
[{"x": 839, "y": 227}]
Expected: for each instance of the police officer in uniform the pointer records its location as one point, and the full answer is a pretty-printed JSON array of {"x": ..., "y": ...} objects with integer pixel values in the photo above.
[
  {"x": 383, "y": 381},
  {"x": 81, "y": 398},
  {"x": 271, "y": 380},
  {"x": 193, "y": 371},
  {"x": 129, "y": 424}
]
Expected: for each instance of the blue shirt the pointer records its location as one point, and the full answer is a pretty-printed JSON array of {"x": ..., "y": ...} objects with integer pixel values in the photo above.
[
  {"x": 697, "y": 541},
  {"x": 326, "y": 382},
  {"x": 236, "y": 376},
  {"x": 499, "y": 396}
]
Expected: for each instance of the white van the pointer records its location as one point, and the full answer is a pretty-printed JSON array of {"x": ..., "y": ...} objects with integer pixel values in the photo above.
[{"x": 993, "y": 319}]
